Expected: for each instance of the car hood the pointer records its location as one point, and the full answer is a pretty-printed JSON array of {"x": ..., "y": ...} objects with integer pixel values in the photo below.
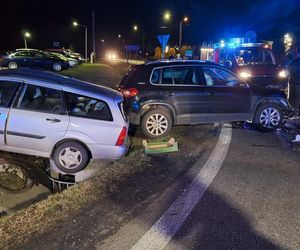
[{"x": 260, "y": 70}]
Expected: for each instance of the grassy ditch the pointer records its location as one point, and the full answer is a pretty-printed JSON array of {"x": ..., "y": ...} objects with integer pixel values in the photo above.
[{"x": 17, "y": 228}]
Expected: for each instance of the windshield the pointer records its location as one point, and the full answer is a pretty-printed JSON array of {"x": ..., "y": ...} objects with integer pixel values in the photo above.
[{"x": 253, "y": 56}]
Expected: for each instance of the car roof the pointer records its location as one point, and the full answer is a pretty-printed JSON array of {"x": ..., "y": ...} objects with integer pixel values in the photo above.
[
  {"x": 177, "y": 62},
  {"x": 59, "y": 80}
]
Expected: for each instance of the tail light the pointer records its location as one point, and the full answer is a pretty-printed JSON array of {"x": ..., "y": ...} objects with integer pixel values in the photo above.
[
  {"x": 130, "y": 92},
  {"x": 122, "y": 137}
]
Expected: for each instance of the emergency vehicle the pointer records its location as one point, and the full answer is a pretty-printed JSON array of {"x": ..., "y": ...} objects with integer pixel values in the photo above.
[{"x": 254, "y": 62}]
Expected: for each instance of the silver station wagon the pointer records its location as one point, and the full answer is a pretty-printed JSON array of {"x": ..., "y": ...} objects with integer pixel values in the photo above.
[{"x": 52, "y": 116}]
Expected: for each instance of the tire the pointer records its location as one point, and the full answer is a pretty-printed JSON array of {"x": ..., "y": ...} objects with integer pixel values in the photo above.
[
  {"x": 269, "y": 116},
  {"x": 71, "y": 157},
  {"x": 12, "y": 65},
  {"x": 156, "y": 123},
  {"x": 56, "y": 67}
]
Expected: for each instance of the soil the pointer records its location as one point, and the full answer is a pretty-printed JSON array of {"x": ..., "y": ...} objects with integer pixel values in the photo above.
[{"x": 101, "y": 218}]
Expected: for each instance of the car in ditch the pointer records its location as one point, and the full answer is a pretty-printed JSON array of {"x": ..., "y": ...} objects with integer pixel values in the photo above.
[
  {"x": 160, "y": 95},
  {"x": 70, "y": 121}
]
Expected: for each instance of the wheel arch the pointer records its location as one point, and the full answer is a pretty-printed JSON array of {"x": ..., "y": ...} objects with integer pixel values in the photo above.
[
  {"x": 71, "y": 140},
  {"x": 281, "y": 102},
  {"x": 154, "y": 105}
]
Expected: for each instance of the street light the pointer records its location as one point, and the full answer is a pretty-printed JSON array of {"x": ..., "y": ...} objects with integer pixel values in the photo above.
[
  {"x": 136, "y": 28},
  {"x": 26, "y": 35},
  {"x": 167, "y": 16},
  {"x": 183, "y": 20},
  {"x": 86, "y": 35},
  {"x": 119, "y": 36}
]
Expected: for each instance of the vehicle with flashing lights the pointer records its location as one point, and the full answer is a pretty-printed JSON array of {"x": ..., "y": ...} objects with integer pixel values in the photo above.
[
  {"x": 163, "y": 94},
  {"x": 70, "y": 121},
  {"x": 254, "y": 62}
]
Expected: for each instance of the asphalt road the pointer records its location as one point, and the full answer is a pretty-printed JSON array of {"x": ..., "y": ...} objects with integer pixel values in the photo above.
[{"x": 252, "y": 203}]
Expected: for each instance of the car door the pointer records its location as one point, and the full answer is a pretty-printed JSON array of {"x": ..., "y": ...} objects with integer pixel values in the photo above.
[
  {"x": 183, "y": 87},
  {"x": 39, "y": 59},
  {"x": 23, "y": 58},
  {"x": 227, "y": 97},
  {"x": 7, "y": 93},
  {"x": 37, "y": 120}
]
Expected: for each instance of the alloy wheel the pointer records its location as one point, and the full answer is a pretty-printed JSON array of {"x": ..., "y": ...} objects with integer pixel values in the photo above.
[
  {"x": 269, "y": 117},
  {"x": 157, "y": 124}
]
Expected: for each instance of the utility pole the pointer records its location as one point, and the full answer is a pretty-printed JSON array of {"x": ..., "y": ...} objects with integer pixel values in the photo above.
[
  {"x": 94, "y": 41},
  {"x": 180, "y": 34}
]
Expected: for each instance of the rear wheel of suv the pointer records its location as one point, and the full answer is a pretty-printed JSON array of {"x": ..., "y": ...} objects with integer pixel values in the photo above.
[
  {"x": 71, "y": 157},
  {"x": 269, "y": 116},
  {"x": 156, "y": 123},
  {"x": 56, "y": 67},
  {"x": 12, "y": 65}
]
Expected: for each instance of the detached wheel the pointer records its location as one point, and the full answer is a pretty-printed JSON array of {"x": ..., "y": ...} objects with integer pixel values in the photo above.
[
  {"x": 157, "y": 123},
  {"x": 56, "y": 67},
  {"x": 12, "y": 65},
  {"x": 71, "y": 157},
  {"x": 269, "y": 116}
]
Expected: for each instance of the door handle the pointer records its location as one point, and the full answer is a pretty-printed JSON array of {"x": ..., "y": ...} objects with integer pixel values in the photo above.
[
  {"x": 170, "y": 93},
  {"x": 52, "y": 120}
]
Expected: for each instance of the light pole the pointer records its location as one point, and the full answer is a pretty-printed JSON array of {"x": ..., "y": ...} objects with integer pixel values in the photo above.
[
  {"x": 136, "y": 28},
  {"x": 184, "y": 20},
  {"x": 26, "y": 35},
  {"x": 86, "y": 35}
]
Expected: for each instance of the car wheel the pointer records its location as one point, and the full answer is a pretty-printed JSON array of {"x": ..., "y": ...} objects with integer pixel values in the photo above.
[
  {"x": 12, "y": 65},
  {"x": 56, "y": 67},
  {"x": 156, "y": 123},
  {"x": 269, "y": 116},
  {"x": 71, "y": 157}
]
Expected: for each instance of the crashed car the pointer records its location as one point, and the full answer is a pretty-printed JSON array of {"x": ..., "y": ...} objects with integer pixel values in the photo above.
[{"x": 70, "y": 121}]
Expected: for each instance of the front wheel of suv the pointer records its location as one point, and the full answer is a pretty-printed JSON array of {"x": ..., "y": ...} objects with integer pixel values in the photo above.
[
  {"x": 156, "y": 123},
  {"x": 269, "y": 116}
]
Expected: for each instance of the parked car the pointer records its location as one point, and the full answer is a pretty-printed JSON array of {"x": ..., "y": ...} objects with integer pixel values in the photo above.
[
  {"x": 32, "y": 58},
  {"x": 294, "y": 84},
  {"x": 73, "y": 62},
  {"x": 160, "y": 95},
  {"x": 66, "y": 54},
  {"x": 52, "y": 116}
]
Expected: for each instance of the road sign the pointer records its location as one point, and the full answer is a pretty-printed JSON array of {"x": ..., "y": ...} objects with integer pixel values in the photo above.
[
  {"x": 56, "y": 44},
  {"x": 132, "y": 47},
  {"x": 163, "y": 40}
]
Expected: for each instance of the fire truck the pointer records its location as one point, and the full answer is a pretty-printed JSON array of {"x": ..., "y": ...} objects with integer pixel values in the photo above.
[{"x": 253, "y": 62}]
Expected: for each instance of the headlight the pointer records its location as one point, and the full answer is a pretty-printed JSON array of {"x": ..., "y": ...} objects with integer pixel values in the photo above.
[
  {"x": 283, "y": 74},
  {"x": 245, "y": 74}
]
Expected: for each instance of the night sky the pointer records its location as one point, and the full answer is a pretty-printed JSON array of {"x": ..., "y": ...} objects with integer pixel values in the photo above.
[{"x": 210, "y": 20}]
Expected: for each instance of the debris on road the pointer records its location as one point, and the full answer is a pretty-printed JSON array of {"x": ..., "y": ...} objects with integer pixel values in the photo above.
[{"x": 158, "y": 147}]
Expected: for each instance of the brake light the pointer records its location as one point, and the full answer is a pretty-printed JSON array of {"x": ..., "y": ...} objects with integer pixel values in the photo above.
[
  {"x": 130, "y": 92},
  {"x": 122, "y": 137}
]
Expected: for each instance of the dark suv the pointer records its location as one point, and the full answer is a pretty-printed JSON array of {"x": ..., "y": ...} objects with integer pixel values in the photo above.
[{"x": 162, "y": 94}]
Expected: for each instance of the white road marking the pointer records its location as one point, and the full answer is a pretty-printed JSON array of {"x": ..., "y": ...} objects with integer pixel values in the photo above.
[{"x": 165, "y": 228}]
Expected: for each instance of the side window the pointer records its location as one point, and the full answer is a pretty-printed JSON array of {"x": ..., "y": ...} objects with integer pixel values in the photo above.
[
  {"x": 22, "y": 54},
  {"x": 155, "y": 77},
  {"x": 39, "y": 98},
  {"x": 167, "y": 76},
  {"x": 219, "y": 77},
  {"x": 185, "y": 75},
  {"x": 83, "y": 106},
  {"x": 7, "y": 91}
]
